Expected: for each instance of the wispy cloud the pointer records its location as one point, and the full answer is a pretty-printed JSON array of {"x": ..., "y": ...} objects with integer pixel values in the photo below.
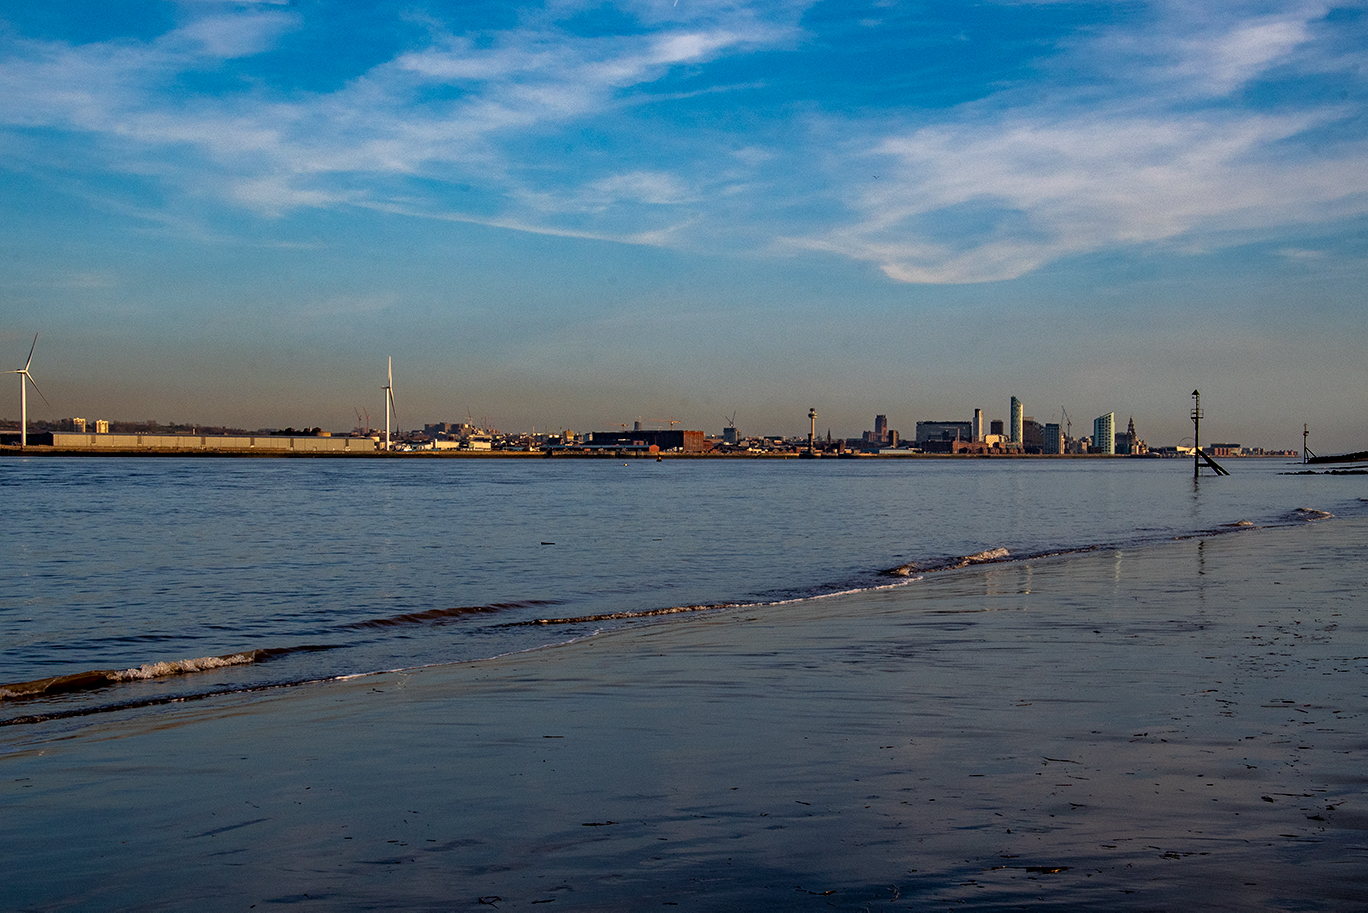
[{"x": 1158, "y": 149}]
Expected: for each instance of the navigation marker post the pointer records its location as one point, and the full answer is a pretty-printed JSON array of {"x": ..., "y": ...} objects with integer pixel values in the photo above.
[
  {"x": 1197, "y": 455},
  {"x": 1196, "y": 433}
]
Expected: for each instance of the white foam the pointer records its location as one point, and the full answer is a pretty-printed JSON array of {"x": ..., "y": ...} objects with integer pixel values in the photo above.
[{"x": 181, "y": 667}]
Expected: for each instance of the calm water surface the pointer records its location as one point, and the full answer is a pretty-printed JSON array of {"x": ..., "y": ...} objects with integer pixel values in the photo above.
[{"x": 356, "y": 566}]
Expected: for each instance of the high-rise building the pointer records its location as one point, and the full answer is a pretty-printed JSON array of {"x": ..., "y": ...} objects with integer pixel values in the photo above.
[
  {"x": 1054, "y": 438},
  {"x": 1104, "y": 434},
  {"x": 995, "y": 427},
  {"x": 978, "y": 426},
  {"x": 881, "y": 427},
  {"x": 1015, "y": 432}
]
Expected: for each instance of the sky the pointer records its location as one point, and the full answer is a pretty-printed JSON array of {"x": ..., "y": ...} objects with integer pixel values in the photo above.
[{"x": 581, "y": 214}]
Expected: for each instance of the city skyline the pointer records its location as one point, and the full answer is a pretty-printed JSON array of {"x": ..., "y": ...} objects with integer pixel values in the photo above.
[{"x": 572, "y": 214}]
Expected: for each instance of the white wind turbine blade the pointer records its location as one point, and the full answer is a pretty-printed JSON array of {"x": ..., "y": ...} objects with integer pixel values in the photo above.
[
  {"x": 389, "y": 390},
  {"x": 30, "y": 358},
  {"x": 35, "y": 386}
]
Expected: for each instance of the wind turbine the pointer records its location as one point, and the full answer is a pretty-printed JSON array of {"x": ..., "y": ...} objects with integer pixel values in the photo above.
[
  {"x": 23, "y": 393},
  {"x": 389, "y": 401}
]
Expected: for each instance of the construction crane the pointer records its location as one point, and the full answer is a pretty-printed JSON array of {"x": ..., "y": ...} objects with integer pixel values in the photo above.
[
  {"x": 670, "y": 421},
  {"x": 1068, "y": 423}
]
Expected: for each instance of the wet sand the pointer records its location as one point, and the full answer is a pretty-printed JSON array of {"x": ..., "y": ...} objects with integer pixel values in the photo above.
[{"x": 1172, "y": 728}]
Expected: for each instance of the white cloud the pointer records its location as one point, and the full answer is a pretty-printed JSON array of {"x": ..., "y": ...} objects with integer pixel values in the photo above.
[{"x": 1093, "y": 171}]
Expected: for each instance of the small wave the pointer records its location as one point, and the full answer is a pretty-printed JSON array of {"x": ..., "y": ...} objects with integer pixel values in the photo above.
[
  {"x": 1310, "y": 514},
  {"x": 913, "y": 569},
  {"x": 103, "y": 678},
  {"x": 438, "y": 615},
  {"x": 619, "y": 616}
]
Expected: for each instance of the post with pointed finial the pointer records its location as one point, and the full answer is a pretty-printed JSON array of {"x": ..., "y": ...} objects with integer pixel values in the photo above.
[{"x": 1196, "y": 433}]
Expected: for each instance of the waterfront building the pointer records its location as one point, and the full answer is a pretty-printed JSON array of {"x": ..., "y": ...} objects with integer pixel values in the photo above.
[
  {"x": 995, "y": 427},
  {"x": 643, "y": 439},
  {"x": 1104, "y": 434},
  {"x": 944, "y": 431},
  {"x": 1054, "y": 438},
  {"x": 978, "y": 426},
  {"x": 1014, "y": 434}
]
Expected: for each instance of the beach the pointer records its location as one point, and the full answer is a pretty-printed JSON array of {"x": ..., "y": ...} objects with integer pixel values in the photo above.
[{"x": 1173, "y": 727}]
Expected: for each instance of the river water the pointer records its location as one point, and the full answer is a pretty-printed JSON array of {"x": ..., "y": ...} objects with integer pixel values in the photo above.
[{"x": 307, "y": 569}]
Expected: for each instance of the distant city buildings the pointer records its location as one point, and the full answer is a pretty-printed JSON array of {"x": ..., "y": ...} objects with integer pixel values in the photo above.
[
  {"x": 1024, "y": 436},
  {"x": 1128, "y": 443},
  {"x": 882, "y": 435}
]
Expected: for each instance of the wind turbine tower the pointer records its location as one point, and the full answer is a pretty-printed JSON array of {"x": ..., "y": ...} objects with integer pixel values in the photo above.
[
  {"x": 23, "y": 393},
  {"x": 389, "y": 400}
]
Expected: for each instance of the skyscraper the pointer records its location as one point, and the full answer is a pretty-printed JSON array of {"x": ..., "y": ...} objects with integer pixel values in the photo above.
[
  {"x": 1054, "y": 438},
  {"x": 1015, "y": 437},
  {"x": 881, "y": 428},
  {"x": 1104, "y": 433},
  {"x": 978, "y": 426}
]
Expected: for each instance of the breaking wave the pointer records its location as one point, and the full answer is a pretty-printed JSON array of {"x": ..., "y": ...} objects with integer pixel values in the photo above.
[
  {"x": 912, "y": 569},
  {"x": 102, "y": 678}
]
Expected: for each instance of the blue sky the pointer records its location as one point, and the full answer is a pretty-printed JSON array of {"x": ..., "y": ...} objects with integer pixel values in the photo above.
[{"x": 574, "y": 214}]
